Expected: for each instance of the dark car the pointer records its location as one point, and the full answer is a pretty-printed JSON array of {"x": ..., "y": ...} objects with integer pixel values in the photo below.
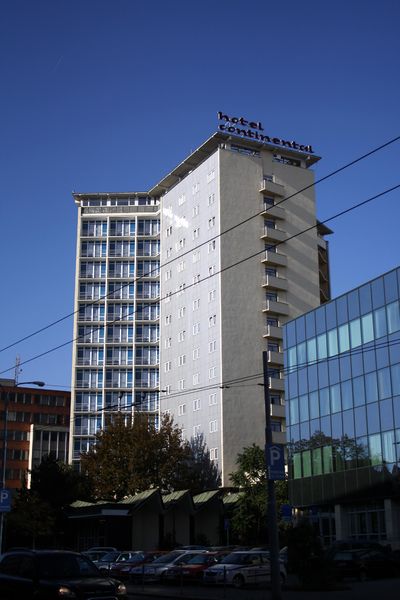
[
  {"x": 364, "y": 563},
  {"x": 51, "y": 574},
  {"x": 105, "y": 564}
]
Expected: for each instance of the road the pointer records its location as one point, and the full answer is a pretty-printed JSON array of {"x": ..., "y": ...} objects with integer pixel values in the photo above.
[{"x": 368, "y": 590}]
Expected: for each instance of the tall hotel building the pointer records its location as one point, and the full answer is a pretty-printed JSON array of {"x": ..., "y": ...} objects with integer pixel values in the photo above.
[
  {"x": 116, "y": 331},
  {"x": 232, "y": 273}
]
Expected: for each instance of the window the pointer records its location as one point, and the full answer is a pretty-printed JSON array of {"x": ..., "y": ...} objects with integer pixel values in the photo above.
[
  {"x": 168, "y": 231},
  {"x": 271, "y": 271},
  {"x": 212, "y": 320},
  {"x": 168, "y": 297},
  {"x": 195, "y": 210},
  {"x": 196, "y": 256},
  {"x": 181, "y": 384},
  {"x": 213, "y": 426},
  {"x": 196, "y": 379},
  {"x": 213, "y": 453},
  {"x": 195, "y": 188},
  {"x": 181, "y": 199},
  {"x": 196, "y": 278},
  {"x": 212, "y": 295},
  {"x": 212, "y": 372},
  {"x": 180, "y": 244},
  {"x": 211, "y": 199},
  {"x": 212, "y": 399},
  {"x": 196, "y": 353},
  {"x": 272, "y": 296},
  {"x": 168, "y": 274},
  {"x": 196, "y": 233},
  {"x": 181, "y": 288},
  {"x": 196, "y": 328},
  {"x": 196, "y": 304},
  {"x": 181, "y": 266},
  {"x": 181, "y": 360},
  {"x": 167, "y": 342},
  {"x": 196, "y": 431},
  {"x": 211, "y": 222},
  {"x": 181, "y": 312},
  {"x": 211, "y": 246},
  {"x": 211, "y": 270},
  {"x": 168, "y": 319},
  {"x": 212, "y": 346},
  {"x": 269, "y": 224},
  {"x": 169, "y": 252},
  {"x": 273, "y": 322},
  {"x": 181, "y": 335},
  {"x": 181, "y": 409},
  {"x": 196, "y": 404},
  {"x": 167, "y": 366},
  {"x": 210, "y": 175}
]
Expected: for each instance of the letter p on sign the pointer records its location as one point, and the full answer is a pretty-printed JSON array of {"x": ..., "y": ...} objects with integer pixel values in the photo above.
[{"x": 275, "y": 459}]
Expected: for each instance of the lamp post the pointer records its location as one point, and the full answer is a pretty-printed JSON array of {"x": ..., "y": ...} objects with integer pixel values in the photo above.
[{"x": 4, "y": 453}]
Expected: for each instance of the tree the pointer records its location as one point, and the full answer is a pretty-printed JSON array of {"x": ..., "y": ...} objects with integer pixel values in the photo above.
[
  {"x": 201, "y": 472},
  {"x": 128, "y": 458},
  {"x": 249, "y": 521},
  {"x": 30, "y": 519}
]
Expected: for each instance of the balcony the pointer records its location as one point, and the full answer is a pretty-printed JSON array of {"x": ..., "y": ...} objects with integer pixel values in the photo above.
[
  {"x": 275, "y": 235},
  {"x": 270, "y": 187},
  {"x": 276, "y": 384},
  {"x": 273, "y": 332},
  {"x": 280, "y": 308},
  {"x": 273, "y": 211},
  {"x": 277, "y": 283},
  {"x": 277, "y": 410},
  {"x": 275, "y": 358},
  {"x": 279, "y": 437},
  {"x": 274, "y": 258}
]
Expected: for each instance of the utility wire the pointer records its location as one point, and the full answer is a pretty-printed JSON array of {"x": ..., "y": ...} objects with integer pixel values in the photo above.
[
  {"x": 328, "y": 176},
  {"x": 339, "y": 214}
]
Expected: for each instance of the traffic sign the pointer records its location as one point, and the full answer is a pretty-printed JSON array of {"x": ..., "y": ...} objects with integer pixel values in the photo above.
[
  {"x": 275, "y": 459},
  {"x": 5, "y": 500}
]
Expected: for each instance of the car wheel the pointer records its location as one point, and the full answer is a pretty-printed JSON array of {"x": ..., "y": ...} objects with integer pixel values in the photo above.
[{"x": 238, "y": 581}]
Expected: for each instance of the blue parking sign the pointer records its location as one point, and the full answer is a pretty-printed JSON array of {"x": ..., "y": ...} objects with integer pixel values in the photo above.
[
  {"x": 5, "y": 500},
  {"x": 275, "y": 459}
]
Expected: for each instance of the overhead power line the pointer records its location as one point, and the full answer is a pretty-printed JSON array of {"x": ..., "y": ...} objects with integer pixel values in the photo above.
[
  {"x": 337, "y": 215},
  {"x": 233, "y": 227}
]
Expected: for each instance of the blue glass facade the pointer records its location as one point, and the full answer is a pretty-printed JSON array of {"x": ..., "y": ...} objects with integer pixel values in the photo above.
[{"x": 342, "y": 363}]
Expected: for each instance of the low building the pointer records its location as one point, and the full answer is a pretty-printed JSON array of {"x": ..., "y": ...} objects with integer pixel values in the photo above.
[
  {"x": 342, "y": 363},
  {"x": 37, "y": 425}
]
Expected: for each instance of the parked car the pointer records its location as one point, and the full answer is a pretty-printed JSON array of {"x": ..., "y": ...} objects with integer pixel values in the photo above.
[
  {"x": 105, "y": 565},
  {"x": 95, "y": 555},
  {"x": 364, "y": 563},
  {"x": 242, "y": 568},
  {"x": 193, "y": 570},
  {"x": 107, "y": 558},
  {"x": 122, "y": 569},
  {"x": 54, "y": 574},
  {"x": 156, "y": 570}
]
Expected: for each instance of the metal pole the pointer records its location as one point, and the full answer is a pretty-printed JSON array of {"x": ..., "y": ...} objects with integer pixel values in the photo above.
[
  {"x": 4, "y": 463},
  {"x": 276, "y": 591}
]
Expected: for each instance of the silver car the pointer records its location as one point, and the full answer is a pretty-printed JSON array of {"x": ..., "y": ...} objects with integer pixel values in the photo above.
[
  {"x": 247, "y": 567},
  {"x": 156, "y": 570}
]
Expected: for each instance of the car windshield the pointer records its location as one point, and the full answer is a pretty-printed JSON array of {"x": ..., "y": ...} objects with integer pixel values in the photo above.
[
  {"x": 200, "y": 559},
  {"x": 237, "y": 558},
  {"x": 109, "y": 557},
  {"x": 65, "y": 566},
  {"x": 167, "y": 558}
]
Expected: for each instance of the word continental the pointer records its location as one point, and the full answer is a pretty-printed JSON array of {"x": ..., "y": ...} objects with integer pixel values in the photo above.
[{"x": 231, "y": 126}]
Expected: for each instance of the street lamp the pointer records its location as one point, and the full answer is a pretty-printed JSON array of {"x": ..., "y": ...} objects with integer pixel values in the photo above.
[{"x": 5, "y": 430}]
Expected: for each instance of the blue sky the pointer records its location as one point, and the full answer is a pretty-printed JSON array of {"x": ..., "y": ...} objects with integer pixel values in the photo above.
[{"x": 110, "y": 95}]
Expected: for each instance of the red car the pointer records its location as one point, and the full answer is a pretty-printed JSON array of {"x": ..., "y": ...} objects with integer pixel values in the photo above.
[
  {"x": 122, "y": 569},
  {"x": 193, "y": 570}
]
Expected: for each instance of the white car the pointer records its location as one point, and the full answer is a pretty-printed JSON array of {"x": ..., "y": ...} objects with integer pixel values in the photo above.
[
  {"x": 247, "y": 567},
  {"x": 156, "y": 570}
]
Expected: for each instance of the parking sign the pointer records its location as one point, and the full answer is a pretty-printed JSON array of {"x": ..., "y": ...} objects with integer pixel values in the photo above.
[
  {"x": 275, "y": 459},
  {"x": 5, "y": 500}
]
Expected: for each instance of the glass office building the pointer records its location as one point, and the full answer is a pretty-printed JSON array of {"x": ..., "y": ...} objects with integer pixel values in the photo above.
[{"x": 342, "y": 362}]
